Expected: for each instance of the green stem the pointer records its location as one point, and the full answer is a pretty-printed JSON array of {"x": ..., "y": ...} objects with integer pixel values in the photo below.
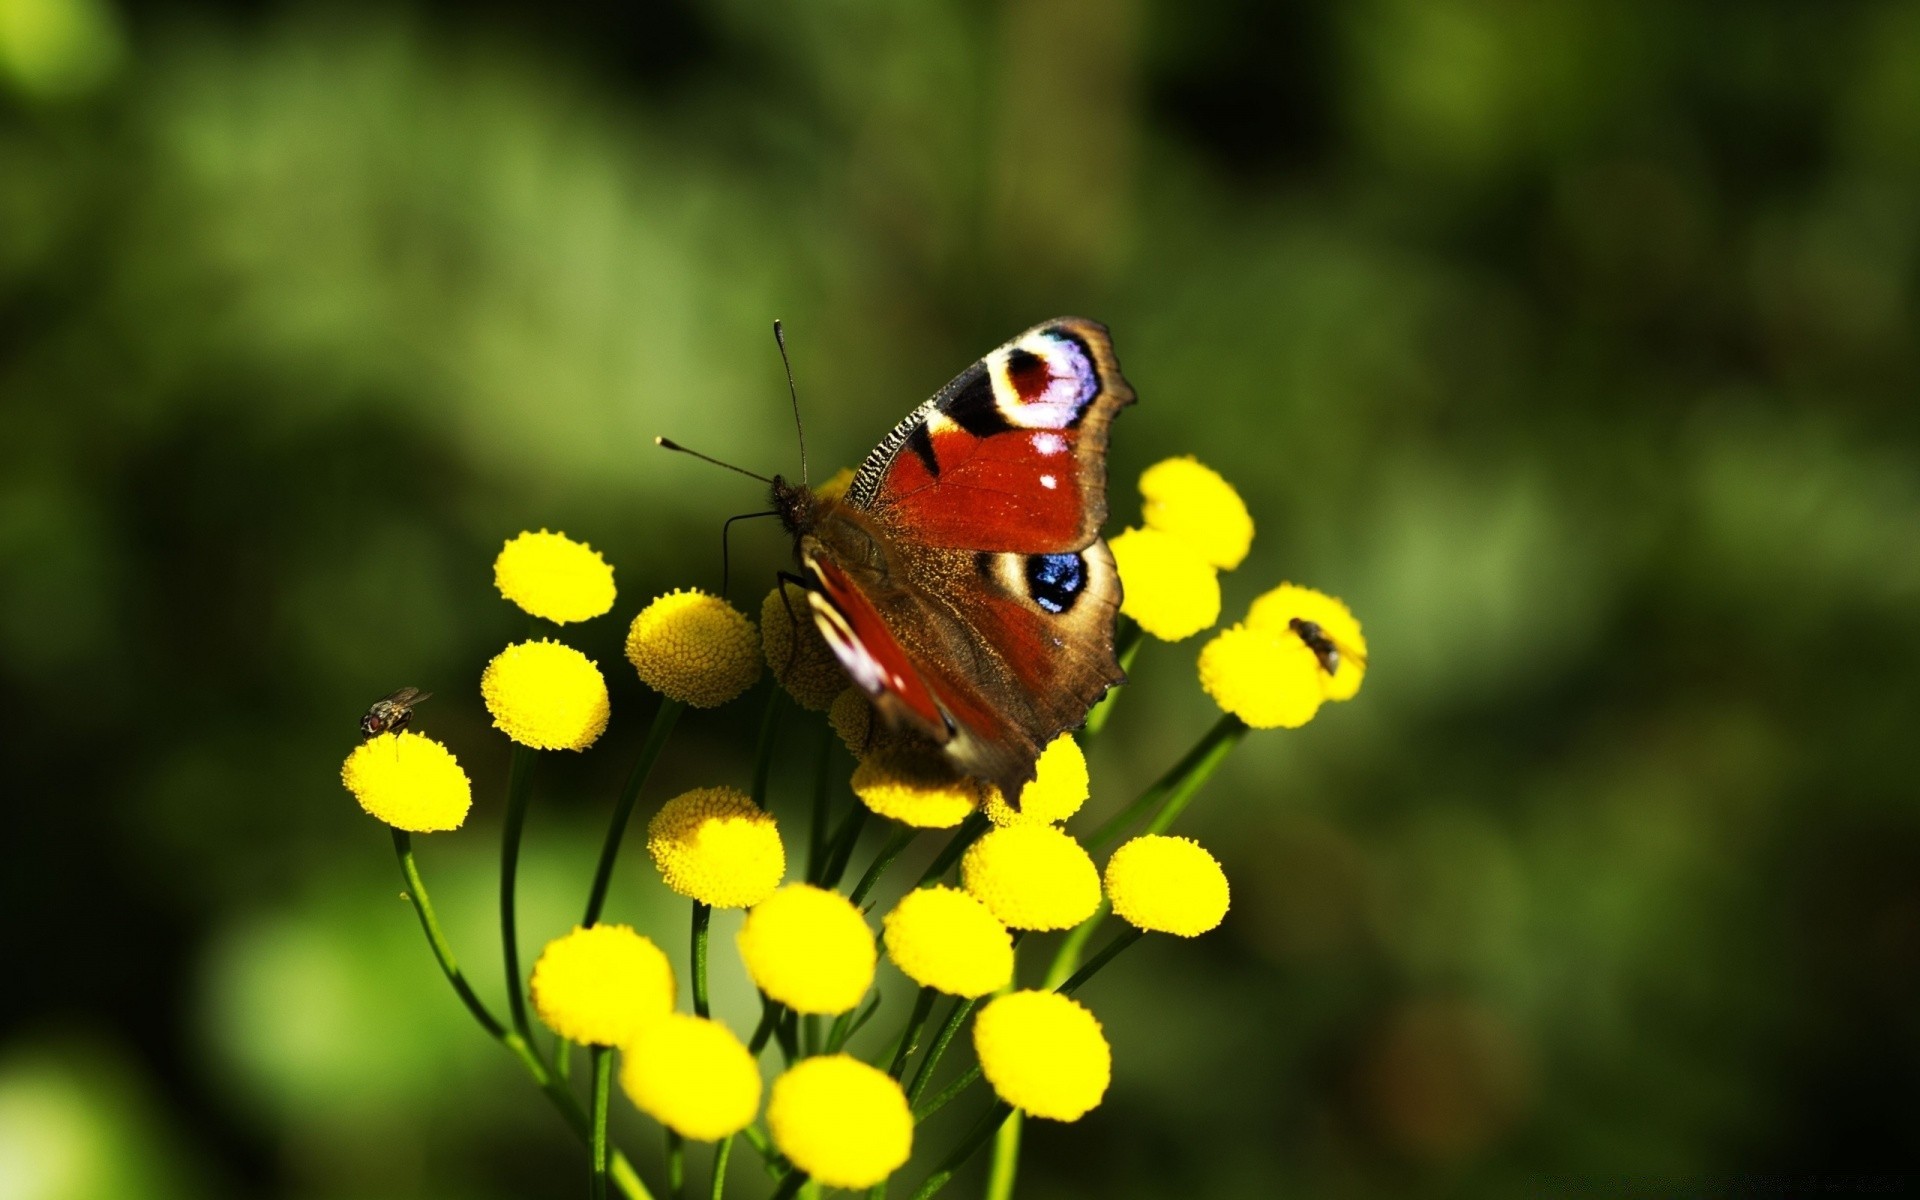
[
  {"x": 842, "y": 847},
  {"x": 1127, "y": 640},
  {"x": 769, "y": 1023},
  {"x": 519, "y": 788},
  {"x": 763, "y": 746},
  {"x": 442, "y": 949},
  {"x": 562, "y": 1059},
  {"x": 676, "y": 1166},
  {"x": 817, "y": 824},
  {"x": 849, "y": 1023},
  {"x": 963, "y": 837},
  {"x": 791, "y": 1185},
  {"x": 1067, "y": 957},
  {"x": 1127, "y": 938},
  {"x": 947, "y": 1094},
  {"x": 602, "y": 1083},
  {"x": 986, "y": 1127},
  {"x": 922, "y": 1008},
  {"x": 1006, "y": 1159},
  {"x": 956, "y": 1016},
  {"x": 663, "y": 722},
  {"x": 899, "y": 841},
  {"x": 1172, "y": 792},
  {"x": 702, "y": 918},
  {"x": 722, "y": 1153}
]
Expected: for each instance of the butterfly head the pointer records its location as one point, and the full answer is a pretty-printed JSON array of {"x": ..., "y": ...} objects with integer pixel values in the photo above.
[{"x": 796, "y": 505}]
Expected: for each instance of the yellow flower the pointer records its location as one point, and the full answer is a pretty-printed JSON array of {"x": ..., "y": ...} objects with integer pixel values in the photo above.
[
  {"x": 1322, "y": 619},
  {"x": 409, "y": 781},
  {"x": 915, "y": 786},
  {"x": 602, "y": 985},
  {"x": 1032, "y": 877},
  {"x": 1268, "y": 679},
  {"x": 852, "y": 718},
  {"x": 1165, "y": 584},
  {"x": 1044, "y": 1054},
  {"x": 693, "y": 1076},
  {"x": 716, "y": 846},
  {"x": 1057, "y": 790},
  {"x": 552, "y": 576},
  {"x": 1193, "y": 503},
  {"x": 546, "y": 695},
  {"x": 1167, "y": 885},
  {"x": 835, "y": 488},
  {"x": 808, "y": 948},
  {"x": 806, "y": 667},
  {"x": 841, "y": 1121},
  {"x": 942, "y": 938},
  {"x": 694, "y": 648}
]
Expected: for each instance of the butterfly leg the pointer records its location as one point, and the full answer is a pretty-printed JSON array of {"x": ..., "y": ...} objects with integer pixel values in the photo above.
[{"x": 793, "y": 627}]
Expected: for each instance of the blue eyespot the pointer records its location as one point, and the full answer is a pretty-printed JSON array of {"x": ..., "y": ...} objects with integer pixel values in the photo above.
[{"x": 1055, "y": 580}]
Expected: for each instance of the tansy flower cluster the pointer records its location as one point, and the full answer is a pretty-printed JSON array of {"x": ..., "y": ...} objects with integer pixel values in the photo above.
[{"x": 991, "y": 915}]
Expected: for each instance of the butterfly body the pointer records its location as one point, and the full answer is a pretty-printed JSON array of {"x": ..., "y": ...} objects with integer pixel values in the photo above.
[{"x": 961, "y": 580}]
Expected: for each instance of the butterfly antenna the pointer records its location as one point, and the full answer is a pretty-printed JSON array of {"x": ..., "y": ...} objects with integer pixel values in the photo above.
[
  {"x": 670, "y": 444},
  {"x": 780, "y": 339}
]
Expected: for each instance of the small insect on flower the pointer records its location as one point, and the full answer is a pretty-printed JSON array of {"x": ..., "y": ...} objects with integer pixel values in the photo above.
[{"x": 392, "y": 712}]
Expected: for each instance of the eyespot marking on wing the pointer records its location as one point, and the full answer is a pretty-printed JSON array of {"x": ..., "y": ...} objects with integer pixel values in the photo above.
[
  {"x": 1045, "y": 380},
  {"x": 1055, "y": 581}
]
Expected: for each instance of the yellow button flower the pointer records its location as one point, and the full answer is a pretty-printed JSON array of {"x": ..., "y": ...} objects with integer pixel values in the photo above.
[
  {"x": 601, "y": 985},
  {"x": 851, "y": 716},
  {"x": 409, "y": 781},
  {"x": 809, "y": 948},
  {"x": 1194, "y": 504},
  {"x": 1044, "y": 1054},
  {"x": 716, "y": 846},
  {"x": 1266, "y": 678},
  {"x": 694, "y": 648},
  {"x": 1057, "y": 790},
  {"x": 841, "y": 1121},
  {"x": 546, "y": 695},
  {"x": 692, "y": 1075},
  {"x": 554, "y": 577},
  {"x": 1165, "y": 584},
  {"x": 1032, "y": 877},
  {"x": 798, "y": 656},
  {"x": 943, "y": 938},
  {"x": 1323, "y": 624},
  {"x": 1167, "y": 885},
  {"x": 915, "y": 786}
]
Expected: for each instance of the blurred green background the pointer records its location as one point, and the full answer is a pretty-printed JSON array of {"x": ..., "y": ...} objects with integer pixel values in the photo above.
[{"x": 1573, "y": 344}]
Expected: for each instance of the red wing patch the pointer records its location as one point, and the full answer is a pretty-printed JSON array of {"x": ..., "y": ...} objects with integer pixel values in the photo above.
[{"x": 860, "y": 639}]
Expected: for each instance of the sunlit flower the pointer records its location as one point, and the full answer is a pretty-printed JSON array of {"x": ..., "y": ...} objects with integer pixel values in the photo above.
[
  {"x": 841, "y": 1121},
  {"x": 601, "y": 985},
  {"x": 409, "y": 781},
  {"x": 1032, "y": 877},
  {"x": 915, "y": 786},
  {"x": 1044, "y": 1054},
  {"x": 1194, "y": 504},
  {"x": 716, "y": 846},
  {"x": 692, "y": 1075},
  {"x": 694, "y": 648},
  {"x": 1057, "y": 790},
  {"x": 1267, "y": 678},
  {"x": 798, "y": 656},
  {"x": 554, "y": 577},
  {"x": 1314, "y": 616},
  {"x": 1166, "y": 585},
  {"x": 808, "y": 948},
  {"x": 943, "y": 938},
  {"x": 546, "y": 695},
  {"x": 1167, "y": 885}
]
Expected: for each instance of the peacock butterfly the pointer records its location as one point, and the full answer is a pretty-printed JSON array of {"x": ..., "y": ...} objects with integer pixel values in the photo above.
[{"x": 961, "y": 579}]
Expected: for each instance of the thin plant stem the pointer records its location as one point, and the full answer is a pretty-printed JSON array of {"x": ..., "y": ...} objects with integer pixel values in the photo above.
[
  {"x": 922, "y": 1009},
  {"x": 769, "y": 1023},
  {"x": 722, "y": 1154},
  {"x": 1127, "y": 640},
  {"x": 663, "y": 721},
  {"x": 963, "y": 837},
  {"x": 763, "y": 746},
  {"x": 442, "y": 949},
  {"x": 956, "y": 1016},
  {"x": 702, "y": 919},
  {"x": 947, "y": 1094},
  {"x": 817, "y": 824},
  {"x": 1067, "y": 958},
  {"x": 989, "y": 1124},
  {"x": 841, "y": 848},
  {"x": 1126, "y": 938},
  {"x": 519, "y": 788},
  {"x": 849, "y": 1023},
  {"x": 676, "y": 1166},
  {"x": 1006, "y": 1158},
  {"x": 562, "y": 1059},
  {"x": 897, "y": 842},
  {"x": 1172, "y": 792},
  {"x": 602, "y": 1084},
  {"x": 791, "y": 1185}
]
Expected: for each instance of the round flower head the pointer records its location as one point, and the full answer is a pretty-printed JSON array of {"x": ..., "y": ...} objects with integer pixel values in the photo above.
[
  {"x": 1322, "y": 624},
  {"x": 1044, "y": 1054},
  {"x": 1165, "y": 584},
  {"x": 841, "y": 1121},
  {"x": 1167, "y": 885},
  {"x": 808, "y": 948},
  {"x": 1267, "y": 678},
  {"x": 1194, "y": 504},
  {"x": 716, "y": 846},
  {"x": 915, "y": 786},
  {"x": 1057, "y": 790},
  {"x": 601, "y": 985},
  {"x": 692, "y": 1075},
  {"x": 546, "y": 695},
  {"x": 409, "y": 781},
  {"x": 942, "y": 938},
  {"x": 1032, "y": 877},
  {"x": 554, "y": 577},
  {"x": 796, "y": 653},
  {"x": 694, "y": 648},
  {"x": 851, "y": 716}
]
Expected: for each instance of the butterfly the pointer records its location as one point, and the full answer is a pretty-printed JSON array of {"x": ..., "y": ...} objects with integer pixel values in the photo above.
[{"x": 961, "y": 580}]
